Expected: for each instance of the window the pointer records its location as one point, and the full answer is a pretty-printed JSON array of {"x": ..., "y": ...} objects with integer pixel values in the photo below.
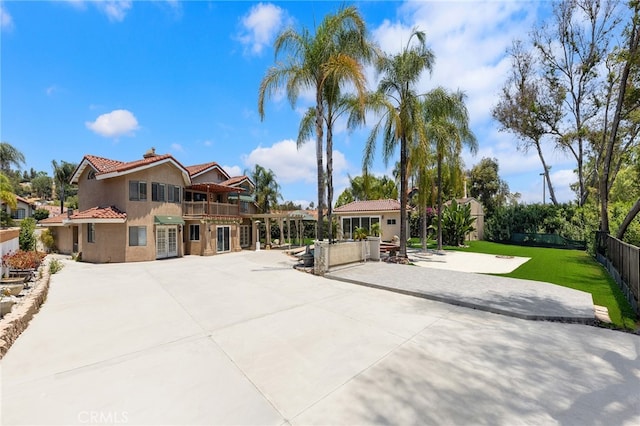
[
  {"x": 391, "y": 221},
  {"x": 223, "y": 234},
  {"x": 91, "y": 232},
  {"x": 174, "y": 193},
  {"x": 137, "y": 236},
  {"x": 350, "y": 224},
  {"x": 194, "y": 232},
  {"x": 137, "y": 190},
  {"x": 20, "y": 214},
  {"x": 158, "y": 192}
]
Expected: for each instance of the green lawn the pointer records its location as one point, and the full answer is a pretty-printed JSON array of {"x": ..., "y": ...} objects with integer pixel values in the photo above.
[{"x": 569, "y": 268}]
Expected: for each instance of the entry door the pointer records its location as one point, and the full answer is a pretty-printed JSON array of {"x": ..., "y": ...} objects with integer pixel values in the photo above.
[
  {"x": 223, "y": 238},
  {"x": 245, "y": 240},
  {"x": 166, "y": 242}
]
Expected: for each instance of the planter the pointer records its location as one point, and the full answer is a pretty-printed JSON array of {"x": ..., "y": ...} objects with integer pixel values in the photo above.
[
  {"x": 13, "y": 280},
  {"x": 5, "y": 306},
  {"x": 27, "y": 274},
  {"x": 14, "y": 289}
]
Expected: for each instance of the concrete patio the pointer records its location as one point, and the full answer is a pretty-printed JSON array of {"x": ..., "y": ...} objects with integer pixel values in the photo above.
[{"x": 243, "y": 338}]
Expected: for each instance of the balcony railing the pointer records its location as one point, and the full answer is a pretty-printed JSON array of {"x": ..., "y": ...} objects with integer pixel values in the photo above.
[{"x": 202, "y": 208}]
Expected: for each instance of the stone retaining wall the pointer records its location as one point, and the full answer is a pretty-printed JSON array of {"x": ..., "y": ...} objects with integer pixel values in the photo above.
[{"x": 16, "y": 321}]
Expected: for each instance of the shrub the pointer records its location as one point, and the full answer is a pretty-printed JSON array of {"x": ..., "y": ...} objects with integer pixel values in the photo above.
[
  {"x": 46, "y": 237},
  {"x": 27, "y": 238},
  {"x": 55, "y": 266},
  {"x": 457, "y": 222},
  {"x": 22, "y": 259},
  {"x": 5, "y": 219},
  {"x": 40, "y": 214}
]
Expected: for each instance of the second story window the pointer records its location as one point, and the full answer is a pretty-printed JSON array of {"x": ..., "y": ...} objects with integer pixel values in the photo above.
[
  {"x": 137, "y": 190},
  {"x": 173, "y": 193},
  {"x": 158, "y": 192}
]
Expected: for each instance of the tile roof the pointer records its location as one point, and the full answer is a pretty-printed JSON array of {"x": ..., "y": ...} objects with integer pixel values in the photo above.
[
  {"x": 236, "y": 180},
  {"x": 110, "y": 212},
  {"x": 53, "y": 210},
  {"x": 198, "y": 168},
  {"x": 103, "y": 165},
  {"x": 52, "y": 220},
  {"x": 369, "y": 206}
]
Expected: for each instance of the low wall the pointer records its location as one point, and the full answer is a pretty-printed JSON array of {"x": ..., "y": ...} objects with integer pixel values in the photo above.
[
  {"x": 9, "y": 241},
  {"x": 328, "y": 255}
]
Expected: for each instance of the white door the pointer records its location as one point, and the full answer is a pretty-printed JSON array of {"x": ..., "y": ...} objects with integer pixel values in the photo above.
[
  {"x": 172, "y": 247},
  {"x": 244, "y": 236},
  {"x": 161, "y": 243}
]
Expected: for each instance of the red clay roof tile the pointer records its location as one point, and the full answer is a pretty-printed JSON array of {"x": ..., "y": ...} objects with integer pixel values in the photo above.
[{"x": 369, "y": 206}]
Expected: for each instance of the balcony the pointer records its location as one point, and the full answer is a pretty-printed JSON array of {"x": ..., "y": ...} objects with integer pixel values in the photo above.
[{"x": 202, "y": 208}]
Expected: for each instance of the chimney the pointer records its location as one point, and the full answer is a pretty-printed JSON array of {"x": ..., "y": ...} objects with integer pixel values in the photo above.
[{"x": 150, "y": 153}]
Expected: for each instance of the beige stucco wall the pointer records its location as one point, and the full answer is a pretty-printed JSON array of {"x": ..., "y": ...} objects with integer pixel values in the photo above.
[
  {"x": 109, "y": 245},
  {"x": 63, "y": 237},
  {"x": 213, "y": 176}
]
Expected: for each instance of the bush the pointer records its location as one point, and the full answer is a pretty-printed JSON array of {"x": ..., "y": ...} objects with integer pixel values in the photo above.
[
  {"x": 457, "y": 222},
  {"x": 46, "y": 237},
  {"x": 27, "y": 237},
  {"x": 40, "y": 214},
  {"x": 55, "y": 266},
  {"x": 5, "y": 220},
  {"x": 23, "y": 259}
]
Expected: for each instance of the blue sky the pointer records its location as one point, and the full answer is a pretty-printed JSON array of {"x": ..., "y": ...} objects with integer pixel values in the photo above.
[{"x": 115, "y": 78}]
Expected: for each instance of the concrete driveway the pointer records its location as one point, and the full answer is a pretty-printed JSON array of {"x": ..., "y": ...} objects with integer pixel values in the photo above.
[{"x": 244, "y": 339}]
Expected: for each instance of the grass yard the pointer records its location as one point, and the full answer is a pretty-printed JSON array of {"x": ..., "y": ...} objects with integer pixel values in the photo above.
[{"x": 569, "y": 268}]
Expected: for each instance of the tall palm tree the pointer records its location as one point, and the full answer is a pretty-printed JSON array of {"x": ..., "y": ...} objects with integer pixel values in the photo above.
[
  {"x": 446, "y": 125},
  {"x": 398, "y": 103},
  {"x": 267, "y": 190},
  {"x": 313, "y": 62},
  {"x": 62, "y": 174},
  {"x": 9, "y": 156}
]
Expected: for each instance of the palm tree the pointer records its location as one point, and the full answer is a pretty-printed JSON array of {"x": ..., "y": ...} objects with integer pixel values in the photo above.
[
  {"x": 7, "y": 196},
  {"x": 9, "y": 156},
  {"x": 398, "y": 102},
  {"x": 446, "y": 125},
  {"x": 315, "y": 62},
  {"x": 267, "y": 190},
  {"x": 62, "y": 174}
]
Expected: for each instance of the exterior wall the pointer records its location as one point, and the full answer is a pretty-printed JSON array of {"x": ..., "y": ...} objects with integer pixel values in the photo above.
[
  {"x": 212, "y": 176},
  {"x": 388, "y": 230},
  {"x": 110, "y": 240},
  {"x": 9, "y": 241},
  {"x": 63, "y": 237}
]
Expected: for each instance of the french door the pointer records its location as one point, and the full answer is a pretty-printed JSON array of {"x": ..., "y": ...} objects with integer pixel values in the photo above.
[
  {"x": 223, "y": 240},
  {"x": 166, "y": 242}
]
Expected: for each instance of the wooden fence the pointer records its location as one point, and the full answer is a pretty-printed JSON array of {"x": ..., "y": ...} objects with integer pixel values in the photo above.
[{"x": 622, "y": 260}]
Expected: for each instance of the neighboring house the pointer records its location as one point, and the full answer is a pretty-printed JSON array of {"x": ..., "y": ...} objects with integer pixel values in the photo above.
[
  {"x": 153, "y": 208},
  {"x": 477, "y": 211},
  {"x": 24, "y": 209},
  {"x": 365, "y": 213}
]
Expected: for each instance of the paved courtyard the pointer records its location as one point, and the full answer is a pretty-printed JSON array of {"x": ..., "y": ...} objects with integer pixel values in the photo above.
[{"x": 244, "y": 339}]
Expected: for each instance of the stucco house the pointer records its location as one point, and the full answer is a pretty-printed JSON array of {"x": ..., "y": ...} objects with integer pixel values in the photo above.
[
  {"x": 24, "y": 208},
  {"x": 365, "y": 213},
  {"x": 154, "y": 208}
]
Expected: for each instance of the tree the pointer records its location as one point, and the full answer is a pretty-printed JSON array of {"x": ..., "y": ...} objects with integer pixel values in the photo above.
[
  {"x": 62, "y": 173},
  {"x": 397, "y": 101},
  {"x": 9, "y": 156},
  {"x": 620, "y": 136},
  {"x": 267, "y": 190},
  {"x": 7, "y": 196},
  {"x": 313, "y": 62},
  {"x": 41, "y": 186},
  {"x": 27, "y": 237},
  {"x": 486, "y": 185},
  {"x": 368, "y": 187},
  {"x": 456, "y": 223},
  {"x": 528, "y": 110},
  {"x": 571, "y": 54},
  {"x": 447, "y": 127}
]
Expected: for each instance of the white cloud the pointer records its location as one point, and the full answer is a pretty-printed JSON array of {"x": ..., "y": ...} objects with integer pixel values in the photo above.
[
  {"x": 6, "y": 21},
  {"x": 116, "y": 123},
  {"x": 176, "y": 147},
  {"x": 207, "y": 143},
  {"x": 116, "y": 10},
  {"x": 51, "y": 90},
  {"x": 233, "y": 170},
  {"x": 260, "y": 25},
  {"x": 293, "y": 165}
]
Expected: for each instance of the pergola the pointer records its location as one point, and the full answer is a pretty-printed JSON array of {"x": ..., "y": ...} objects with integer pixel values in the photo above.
[{"x": 282, "y": 218}]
